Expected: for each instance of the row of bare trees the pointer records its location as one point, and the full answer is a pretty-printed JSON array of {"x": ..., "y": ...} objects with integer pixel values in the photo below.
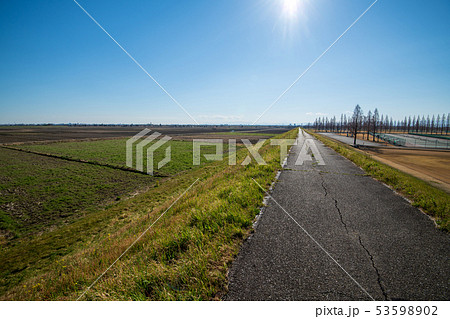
[{"x": 373, "y": 123}]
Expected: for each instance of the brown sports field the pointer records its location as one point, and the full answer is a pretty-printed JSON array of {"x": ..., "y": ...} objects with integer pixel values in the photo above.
[{"x": 430, "y": 165}]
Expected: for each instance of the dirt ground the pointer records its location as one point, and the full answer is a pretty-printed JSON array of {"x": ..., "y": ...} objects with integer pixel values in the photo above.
[
  {"x": 431, "y": 166},
  {"x": 364, "y": 137},
  {"x": 21, "y": 134}
]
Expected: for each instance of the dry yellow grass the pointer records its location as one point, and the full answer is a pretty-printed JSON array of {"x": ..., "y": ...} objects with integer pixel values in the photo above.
[{"x": 186, "y": 254}]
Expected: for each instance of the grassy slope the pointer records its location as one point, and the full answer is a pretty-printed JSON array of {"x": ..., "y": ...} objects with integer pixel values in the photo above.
[
  {"x": 38, "y": 192},
  {"x": 431, "y": 200},
  {"x": 184, "y": 256},
  {"x": 243, "y": 133},
  {"x": 113, "y": 152}
]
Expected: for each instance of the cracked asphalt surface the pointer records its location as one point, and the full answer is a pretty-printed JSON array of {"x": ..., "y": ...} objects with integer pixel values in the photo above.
[{"x": 390, "y": 248}]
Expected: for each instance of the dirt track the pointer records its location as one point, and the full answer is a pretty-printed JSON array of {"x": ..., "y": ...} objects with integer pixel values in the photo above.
[{"x": 432, "y": 166}]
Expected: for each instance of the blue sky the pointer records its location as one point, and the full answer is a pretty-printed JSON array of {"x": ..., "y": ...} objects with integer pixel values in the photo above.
[{"x": 225, "y": 61}]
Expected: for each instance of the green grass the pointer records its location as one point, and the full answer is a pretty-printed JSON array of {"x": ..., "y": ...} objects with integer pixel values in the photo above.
[
  {"x": 431, "y": 200},
  {"x": 8, "y": 225},
  {"x": 185, "y": 256},
  {"x": 113, "y": 152},
  {"x": 38, "y": 192},
  {"x": 244, "y": 133}
]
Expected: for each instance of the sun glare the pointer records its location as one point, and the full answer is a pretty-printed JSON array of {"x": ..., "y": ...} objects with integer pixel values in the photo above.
[
  {"x": 290, "y": 7},
  {"x": 292, "y": 17}
]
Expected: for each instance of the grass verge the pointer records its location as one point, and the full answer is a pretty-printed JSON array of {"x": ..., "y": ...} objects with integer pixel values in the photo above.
[
  {"x": 112, "y": 153},
  {"x": 185, "y": 256},
  {"x": 38, "y": 193},
  {"x": 433, "y": 201}
]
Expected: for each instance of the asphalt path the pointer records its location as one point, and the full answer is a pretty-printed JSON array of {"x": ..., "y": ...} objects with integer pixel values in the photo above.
[
  {"x": 349, "y": 140},
  {"x": 329, "y": 232}
]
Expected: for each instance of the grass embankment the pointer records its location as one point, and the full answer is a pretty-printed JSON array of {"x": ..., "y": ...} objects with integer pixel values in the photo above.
[
  {"x": 185, "y": 256},
  {"x": 431, "y": 200},
  {"x": 112, "y": 152},
  {"x": 243, "y": 133},
  {"x": 38, "y": 192}
]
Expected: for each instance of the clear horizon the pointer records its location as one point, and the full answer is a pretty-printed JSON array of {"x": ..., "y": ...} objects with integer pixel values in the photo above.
[{"x": 225, "y": 61}]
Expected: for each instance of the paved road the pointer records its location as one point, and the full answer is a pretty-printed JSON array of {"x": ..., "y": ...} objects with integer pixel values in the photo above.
[
  {"x": 391, "y": 249},
  {"x": 349, "y": 140}
]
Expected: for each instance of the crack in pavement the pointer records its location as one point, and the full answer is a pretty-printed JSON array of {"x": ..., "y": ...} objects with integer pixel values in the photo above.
[
  {"x": 375, "y": 268},
  {"x": 335, "y": 203},
  {"x": 340, "y": 215},
  {"x": 359, "y": 238},
  {"x": 324, "y": 188}
]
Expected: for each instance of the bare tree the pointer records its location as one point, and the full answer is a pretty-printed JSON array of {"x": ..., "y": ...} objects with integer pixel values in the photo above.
[
  {"x": 369, "y": 119},
  {"x": 432, "y": 124},
  {"x": 345, "y": 124},
  {"x": 409, "y": 123},
  {"x": 443, "y": 123},
  {"x": 356, "y": 121},
  {"x": 438, "y": 123},
  {"x": 376, "y": 117},
  {"x": 448, "y": 123}
]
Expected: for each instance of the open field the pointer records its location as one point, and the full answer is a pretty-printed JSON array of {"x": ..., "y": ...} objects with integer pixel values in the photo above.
[
  {"x": 20, "y": 134},
  {"x": 186, "y": 254},
  {"x": 41, "y": 192},
  {"x": 38, "y": 192},
  {"x": 113, "y": 152},
  {"x": 431, "y": 166}
]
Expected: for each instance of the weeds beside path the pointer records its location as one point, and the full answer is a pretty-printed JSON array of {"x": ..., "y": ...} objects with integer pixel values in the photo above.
[{"x": 185, "y": 256}]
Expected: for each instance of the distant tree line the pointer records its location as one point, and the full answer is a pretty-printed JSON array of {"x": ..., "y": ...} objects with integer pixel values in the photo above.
[
  {"x": 373, "y": 123},
  {"x": 246, "y": 126}
]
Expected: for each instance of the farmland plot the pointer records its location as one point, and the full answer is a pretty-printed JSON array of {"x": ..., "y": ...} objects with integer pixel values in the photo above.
[
  {"x": 38, "y": 192},
  {"x": 113, "y": 152}
]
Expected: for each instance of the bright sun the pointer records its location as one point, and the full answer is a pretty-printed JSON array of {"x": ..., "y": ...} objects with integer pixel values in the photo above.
[{"x": 290, "y": 7}]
